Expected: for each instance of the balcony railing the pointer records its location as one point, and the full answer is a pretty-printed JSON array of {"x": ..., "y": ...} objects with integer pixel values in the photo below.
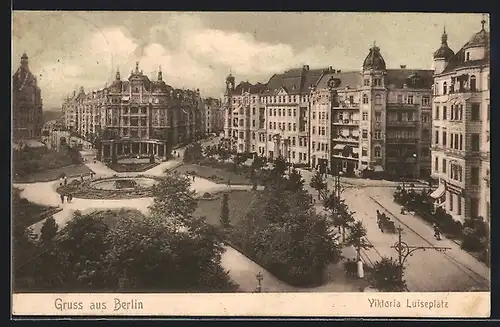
[
  {"x": 352, "y": 156},
  {"x": 395, "y": 106},
  {"x": 400, "y": 140},
  {"x": 346, "y": 106},
  {"x": 346, "y": 122},
  {"x": 346, "y": 139},
  {"x": 401, "y": 123}
]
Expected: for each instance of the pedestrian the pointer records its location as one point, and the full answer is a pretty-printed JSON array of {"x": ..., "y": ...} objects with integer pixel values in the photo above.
[
  {"x": 194, "y": 177},
  {"x": 65, "y": 180},
  {"x": 229, "y": 182},
  {"x": 62, "y": 198},
  {"x": 70, "y": 197},
  {"x": 81, "y": 178}
]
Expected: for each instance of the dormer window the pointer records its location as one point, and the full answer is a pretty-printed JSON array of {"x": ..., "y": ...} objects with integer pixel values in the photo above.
[{"x": 467, "y": 56}]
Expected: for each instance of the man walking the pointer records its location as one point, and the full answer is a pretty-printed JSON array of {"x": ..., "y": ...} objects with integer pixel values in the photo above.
[{"x": 62, "y": 198}]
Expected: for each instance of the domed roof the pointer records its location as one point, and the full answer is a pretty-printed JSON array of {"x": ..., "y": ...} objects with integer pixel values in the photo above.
[
  {"x": 374, "y": 59},
  {"x": 444, "y": 52},
  {"x": 480, "y": 39}
]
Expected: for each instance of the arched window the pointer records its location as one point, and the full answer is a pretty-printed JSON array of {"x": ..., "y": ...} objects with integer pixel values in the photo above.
[
  {"x": 445, "y": 88},
  {"x": 377, "y": 152},
  {"x": 378, "y": 99},
  {"x": 365, "y": 99},
  {"x": 473, "y": 83}
]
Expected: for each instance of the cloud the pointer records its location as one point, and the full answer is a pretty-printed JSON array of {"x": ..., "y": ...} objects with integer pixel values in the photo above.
[{"x": 190, "y": 54}]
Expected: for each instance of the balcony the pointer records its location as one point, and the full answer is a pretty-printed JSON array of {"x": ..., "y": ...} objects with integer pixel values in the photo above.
[
  {"x": 346, "y": 122},
  {"x": 402, "y": 123},
  {"x": 345, "y": 139},
  {"x": 405, "y": 106},
  {"x": 400, "y": 140},
  {"x": 343, "y": 105}
]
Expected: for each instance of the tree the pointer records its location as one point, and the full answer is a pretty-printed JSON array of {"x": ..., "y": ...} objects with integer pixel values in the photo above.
[
  {"x": 318, "y": 183},
  {"x": 339, "y": 212},
  {"x": 283, "y": 232},
  {"x": 475, "y": 234},
  {"x": 48, "y": 230},
  {"x": 173, "y": 199},
  {"x": 238, "y": 159},
  {"x": 357, "y": 237},
  {"x": 386, "y": 277},
  {"x": 224, "y": 211},
  {"x": 295, "y": 182}
]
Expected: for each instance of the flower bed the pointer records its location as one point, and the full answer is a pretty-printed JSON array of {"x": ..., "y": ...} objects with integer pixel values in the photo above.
[
  {"x": 86, "y": 191},
  {"x": 131, "y": 167}
]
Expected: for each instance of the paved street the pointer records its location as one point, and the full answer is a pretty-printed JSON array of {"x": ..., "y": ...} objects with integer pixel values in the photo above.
[{"x": 430, "y": 270}]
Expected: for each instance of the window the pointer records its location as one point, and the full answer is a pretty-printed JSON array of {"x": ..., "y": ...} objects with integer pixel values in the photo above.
[
  {"x": 274, "y": 125},
  {"x": 461, "y": 142},
  {"x": 253, "y": 122},
  {"x": 274, "y": 112},
  {"x": 289, "y": 126},
  {"x": 365, "y": 134},
  {"x": 436, "y": 164},
  {"x": 475, "y": 112},
  {"x": 409, "y": 100},
  {"x": 313, "y": 145},
  {"x": 314, "y": 130},
  {"x": 365, "y": 99},
  {"x": 293, "y": 141},
  {"x": 445, "y": 113},
  {"x": 378, "y": 99},
  {"x": 242, "y": 135},
  {"x": 378, "y": 134},
  {"x": 279, "y": 112},
  {"x": 364, "y": 152},
  {"x": 467, "y": 56},
  {"x": 294, "y": 112},
  {"x": 314, "y": 115},
  {"x": 436, "y": 137},
  {"x": 293, "y": 154},
  {"x": 270, "y": 125},
  {"x": 473, "y": 83},
  {"x": 377, "y": 152},
  {"x": 426, "y": 100},
  {"x": 444, "y": 166},
  {"x": 253, "y": 135},
  {"x": 474, "y": 176},
  {"x": 400, "y": 98},
  {"x": 365, "y": 116},
  {"x": 366, "y": 82},
  {"x": 444, "y": 139},
  {"x": 253, "y": 110},
  {"x": 436, "y": 113},
  {"x": 445, "y": 88},
  {"x": 377, "y": 82},
  {"x": 294, "y": 127},
  {"x": 474, "y": 142},
  {"x": 290, "y": 112},
  {"x": 351, "y": 97}
]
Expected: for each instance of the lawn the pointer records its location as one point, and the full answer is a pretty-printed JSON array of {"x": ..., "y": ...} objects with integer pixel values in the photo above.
[
  {"x": 132, "y": 167},
  {"x": 28, "y": 213},
  {"x": 216, "y": 175},
  {"x": 53, "y": 174},
  {"x": 239, "y": 203}
]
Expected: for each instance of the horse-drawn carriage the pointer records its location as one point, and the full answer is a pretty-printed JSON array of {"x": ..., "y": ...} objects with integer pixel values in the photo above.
[{"x": 385, "y": 223}]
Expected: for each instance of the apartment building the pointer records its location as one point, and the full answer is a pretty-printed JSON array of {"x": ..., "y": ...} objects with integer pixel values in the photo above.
[
  {"x": 376, "y": 119},
  {"x": 461, "y": 127},
  {"x": 137, "y": 117},
  {"x": 214, "y": 115}
]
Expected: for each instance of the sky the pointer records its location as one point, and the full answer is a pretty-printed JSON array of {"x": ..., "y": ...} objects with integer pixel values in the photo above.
[{"x": 197, "y": 50}]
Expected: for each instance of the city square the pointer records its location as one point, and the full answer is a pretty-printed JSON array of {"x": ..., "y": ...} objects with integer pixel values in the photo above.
[{"x": 319, "y": 179}]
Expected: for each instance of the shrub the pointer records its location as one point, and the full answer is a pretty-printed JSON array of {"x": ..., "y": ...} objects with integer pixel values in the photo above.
[{"x": 207, "y": 195}]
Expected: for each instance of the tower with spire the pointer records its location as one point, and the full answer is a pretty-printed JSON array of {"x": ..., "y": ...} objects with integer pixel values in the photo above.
[{"x": 442, "y": 55}]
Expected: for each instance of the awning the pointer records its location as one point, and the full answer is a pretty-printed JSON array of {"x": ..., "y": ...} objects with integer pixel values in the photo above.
[
  {"x": 339, "y": 146},
  {"x": 355, "y": 150},
  {"x": 378, "y": 169},
  {"x": 439, "y": 192}
]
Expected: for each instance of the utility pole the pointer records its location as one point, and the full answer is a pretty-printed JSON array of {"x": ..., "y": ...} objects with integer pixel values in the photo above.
[{"x": 404, "y": 251}]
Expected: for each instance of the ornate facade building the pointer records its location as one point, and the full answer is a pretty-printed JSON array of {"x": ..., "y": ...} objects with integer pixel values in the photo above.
[
  {"x": 461, "y": 127},
  {"x": 373, "y": 119},
  {"x": 136, "y": 117},
  {"x": 27, "y": 107}
]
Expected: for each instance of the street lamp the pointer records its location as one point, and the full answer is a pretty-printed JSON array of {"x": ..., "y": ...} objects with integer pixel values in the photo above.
[
  {"x": 404, "y": 251},
  {"x": 259, "y": 277}
]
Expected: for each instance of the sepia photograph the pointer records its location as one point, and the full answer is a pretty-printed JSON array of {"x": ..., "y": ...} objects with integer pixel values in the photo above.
[{"x": 320, "y": 159}]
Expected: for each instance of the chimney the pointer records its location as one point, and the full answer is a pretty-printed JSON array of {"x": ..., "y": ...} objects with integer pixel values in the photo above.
[{"x": 402, "y": 66}]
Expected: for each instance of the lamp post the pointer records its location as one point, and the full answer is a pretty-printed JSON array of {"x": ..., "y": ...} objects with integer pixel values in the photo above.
[
  {"x": 404, "y": 251},
  {"x": 259, "y": 277}
]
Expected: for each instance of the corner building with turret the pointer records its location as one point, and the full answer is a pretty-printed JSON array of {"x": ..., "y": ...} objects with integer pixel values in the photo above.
[
  {"x": 376, "y": 119},
  {"x": 461, "y": 127},
  {"x": 136, "y": 117}
]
